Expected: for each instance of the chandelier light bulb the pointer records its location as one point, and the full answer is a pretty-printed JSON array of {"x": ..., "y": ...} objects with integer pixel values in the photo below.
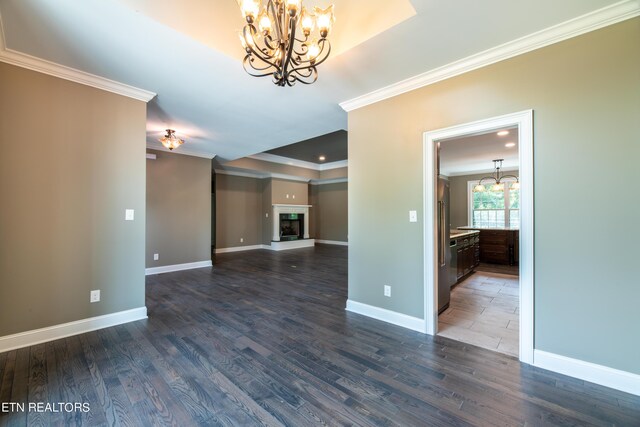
[
  {"x": 264, "y": 22},
  {"x": 324, "y": 20},
  {"x": 306, "y": 22},
  {"x": 250, "y": 9},
  {"x": 479, "y": 188},
  {"x": 497, "y": 187},
  {"x": 313, "y": 51},
  {"x": 293, "y": 6},
  {"x": 515, "y": 186}
]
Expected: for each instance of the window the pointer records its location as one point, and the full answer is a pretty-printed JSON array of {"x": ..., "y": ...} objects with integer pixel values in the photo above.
[{"x": 494, "y": 209}]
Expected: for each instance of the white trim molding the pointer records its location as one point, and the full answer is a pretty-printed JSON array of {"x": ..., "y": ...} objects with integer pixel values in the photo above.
[
  {"x": 289, "y": 209},
  {"x": 524, "y": 121},
  {"x": 261, "y": 175},
  {"x": 241, "y": 248},
  {"x": 328, "y": 181},
  {"x": 591, "y": 21},
  {"x": 51, "y": 333},
  {"x": 273, "y": 158},
  {"x": 177, "y": 267},
  {"x": 332, "y": 242},
  {"x": 587, "y": 371},
  {"x": 393, "y": 317},
  {"x": 33, "y": 63},
  {"x": 181, "y": 150},
  {"x": 292, "y": 244}
]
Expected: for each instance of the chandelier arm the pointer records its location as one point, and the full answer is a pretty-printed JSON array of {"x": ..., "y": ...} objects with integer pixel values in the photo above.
[
  {"x": 250, "y": 68},
  {"x": 292, "y": 38},
  {"x": 249, "y": 60},
  {"x": 315, "y": 63},
  {"x": 271, "y": 6},
  {"x": 267, "y": 42},
  {"x": 259, "y": 54},
  {"x": 314, "y": 74},
  {"x": 509, "y": 176}
]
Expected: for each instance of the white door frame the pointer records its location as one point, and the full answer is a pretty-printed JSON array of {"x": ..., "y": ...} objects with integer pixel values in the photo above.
[{"x": 524, "y": 121}]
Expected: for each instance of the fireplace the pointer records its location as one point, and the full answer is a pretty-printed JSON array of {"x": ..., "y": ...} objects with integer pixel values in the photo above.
[
  {"x": 291, "y": 226},
  {"x": 290, "y": 222}
]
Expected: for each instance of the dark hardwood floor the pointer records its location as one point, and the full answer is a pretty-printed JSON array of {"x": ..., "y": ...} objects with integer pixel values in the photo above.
[{"x": 264, "y": 339}]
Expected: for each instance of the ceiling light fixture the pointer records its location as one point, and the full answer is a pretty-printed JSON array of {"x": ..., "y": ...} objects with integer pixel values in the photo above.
[
  {"x": 510, "y": 144},
  {"x": 498, "y": 184},
  {"x": 503, "y": 133},
  {"x": 322, "y": 158},
  {"x": 281, "y": 46},
  {"x": 170, "y": 140}
]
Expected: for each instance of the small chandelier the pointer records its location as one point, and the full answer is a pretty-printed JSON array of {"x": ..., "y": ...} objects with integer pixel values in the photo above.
[
  {"x": 170, "y": 140},
  {"x": 498, "y": 184},
  {"x": 282, "y": 45}
]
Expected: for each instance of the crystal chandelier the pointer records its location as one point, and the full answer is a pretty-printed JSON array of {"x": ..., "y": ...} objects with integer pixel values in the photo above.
[
  {"x": 170, "y": 140},
  {"x": 498, "y": 184},
  {"x": 282, "y": 44}
]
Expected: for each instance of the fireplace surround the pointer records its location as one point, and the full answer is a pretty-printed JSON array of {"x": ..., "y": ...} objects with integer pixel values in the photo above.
[{"x": 290, "y": 222}]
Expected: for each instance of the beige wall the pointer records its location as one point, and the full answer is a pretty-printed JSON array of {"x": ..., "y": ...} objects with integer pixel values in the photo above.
[
  {"x": 178, "y": 209},
  {"x": 459, "y": 196},
  {"x": 72, "y": 160},
  {"x": 585, "y": 93},
  {"x": 335, "y": 173},
  {"x": 329, "y": 212},
  {"x": 239, "y": 207},
  {"x": 289, "y": 192}
]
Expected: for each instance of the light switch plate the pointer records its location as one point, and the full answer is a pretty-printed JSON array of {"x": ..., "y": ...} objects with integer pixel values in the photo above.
[
  {"x": 156, "y": 257},
  {"x": 128, "y": 215},
  {"x": 413, "y": 216},
  {"x": 94, "y": 296},
  {"x": 387, "y": 290}
]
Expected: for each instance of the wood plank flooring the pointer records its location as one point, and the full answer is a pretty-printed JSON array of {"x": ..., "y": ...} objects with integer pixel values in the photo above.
[
  {"x": 484, "y": 311},
  {"x": 264, "y": 339}
]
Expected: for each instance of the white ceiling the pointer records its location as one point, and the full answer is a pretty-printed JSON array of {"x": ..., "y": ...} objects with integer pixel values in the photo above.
[
  {"x": 202, "y": 90},
  {"x": 475, "y": 154}
]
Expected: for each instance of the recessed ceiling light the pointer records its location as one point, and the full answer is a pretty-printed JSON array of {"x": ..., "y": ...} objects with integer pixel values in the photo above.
[
  {"x": 503, "y": 133},
  {"x": 322, "y": 158},
  {"x": 510, "y": 144}
]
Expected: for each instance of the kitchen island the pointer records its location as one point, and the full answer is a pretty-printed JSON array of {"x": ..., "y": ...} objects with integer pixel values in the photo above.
[{"x": 498, "y": 245}]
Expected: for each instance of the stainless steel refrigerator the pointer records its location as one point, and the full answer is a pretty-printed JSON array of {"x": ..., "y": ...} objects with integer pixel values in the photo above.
[{"x": 444, "y": 251}]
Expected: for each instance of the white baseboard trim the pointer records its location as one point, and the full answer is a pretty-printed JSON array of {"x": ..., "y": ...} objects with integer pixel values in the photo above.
[
  {"x": 292, "y": 244},
  {"x": 177, "y": 267},
  {"x": 332, "y": 242},
  {"x": 587, "y": 371},
  {"x": 241, "y": 248},
  {"x": 38, "y": 336},
  {"x": 388, "y": 316}
]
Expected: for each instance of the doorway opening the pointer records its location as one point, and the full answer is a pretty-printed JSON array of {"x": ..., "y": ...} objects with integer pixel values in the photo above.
[{"x": 479, "y": 233}]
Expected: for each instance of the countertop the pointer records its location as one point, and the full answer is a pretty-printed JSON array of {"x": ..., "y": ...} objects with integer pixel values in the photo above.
[
  {"x": 494, "y": 228},
  {"x": 457, "y": 234}
]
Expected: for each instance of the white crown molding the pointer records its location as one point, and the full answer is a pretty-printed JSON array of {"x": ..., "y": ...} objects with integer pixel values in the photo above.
[
  {"x": 261, "y": 175},
  {"x": 33, "y": 63},
  {"x": 591, "y": 21},
  {"x": 393, "y": 317},
  {"x": 476, "y": 172},
  {"x": 273, "y": 158},
  {"x": 51, "y": 333},
  {"x": 328, "y": 181},
  {"x": 177, "y": 267},
  {"x": 182, "y": 150},
  {"x": 598, "y": 374}
]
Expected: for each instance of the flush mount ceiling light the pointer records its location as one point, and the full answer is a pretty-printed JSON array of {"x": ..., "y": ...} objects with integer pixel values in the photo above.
[
  {"x": 510, "y": 144},
  {"x": 503, "y": 133},
  {"x": 497, "y": 179},
  {"x": 322, "y": 158},
  {"x": 170, "y": 140},
  {"x": 282, "y": 44}
]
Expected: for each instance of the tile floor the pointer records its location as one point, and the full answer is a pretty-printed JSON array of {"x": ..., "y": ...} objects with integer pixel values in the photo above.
[{"x": 484, "y": 311}]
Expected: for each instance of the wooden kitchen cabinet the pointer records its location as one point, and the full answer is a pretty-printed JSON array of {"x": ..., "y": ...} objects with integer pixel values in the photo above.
[
  {"x": 468, "y": 255},
  {"x": 499, "y": 246}
]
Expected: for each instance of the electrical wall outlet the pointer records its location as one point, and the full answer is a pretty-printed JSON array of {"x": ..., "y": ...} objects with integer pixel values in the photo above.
[
  {"x": 413, "y": 216},
  {"x": 94, "y": 296},
  {"x": 128, "y": 215},
  {"x": 387, "y": 290},
  {"x": 266, "y": 215},
  {"x": 242, "y": 240},
  {"x": 156, "y": 257}
]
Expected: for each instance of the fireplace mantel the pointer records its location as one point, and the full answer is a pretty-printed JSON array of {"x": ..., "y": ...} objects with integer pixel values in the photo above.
[{"x": 280, "y": 208}]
